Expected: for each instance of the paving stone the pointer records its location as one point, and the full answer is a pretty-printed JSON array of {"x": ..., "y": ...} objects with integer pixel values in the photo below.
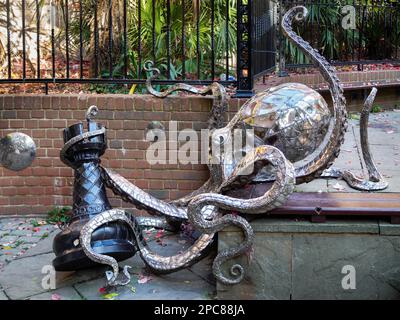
[
  {"x": 5, "y": 258},
  {"x": 392, "y": 177},
  {"x": 8, "y": 239},
  {"x": 3, "y": 233},
  {"x": 29, "y": 239},
  {"x": 11, "y": 252},
  {"x": 43, "y": 246},
  {"x": 3, "y": 296},
  {"x": 339, "y": 185},
  {"x": 22, "y": 277},
  {"x": 176, "y": 286},
  {"x": 20, "y": 232},
  {"x": 317, "y": 185},
  {"x": 204, "y": 266},
  {"x": 382, "y": 129},
  {"x": 68, "y": 293}
]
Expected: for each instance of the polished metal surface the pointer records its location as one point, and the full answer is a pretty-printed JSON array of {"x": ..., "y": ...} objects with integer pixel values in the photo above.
[
  {"x": 17, "y": 151},
  {"x": 291, "y": 117}
]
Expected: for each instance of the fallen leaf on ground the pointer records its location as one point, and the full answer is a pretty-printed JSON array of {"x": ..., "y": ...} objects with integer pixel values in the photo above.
[
  {"x": 144, "y": 279},
  {"x": 103, "y": 290},
  {"x": 110, "y": 296},
  {"x": 159, "y": 234},
  {"x": 338, "y": 186},
  {"x": 55, "y": 296}
]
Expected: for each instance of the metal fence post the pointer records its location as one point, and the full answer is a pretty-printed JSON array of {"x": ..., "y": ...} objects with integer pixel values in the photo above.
[
  {"x": 280, "y": 50},
  {"x": 244, "y": 50}
]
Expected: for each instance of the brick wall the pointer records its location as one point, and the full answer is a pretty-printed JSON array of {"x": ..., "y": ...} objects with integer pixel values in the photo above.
[{"x": 48, "y": 182}]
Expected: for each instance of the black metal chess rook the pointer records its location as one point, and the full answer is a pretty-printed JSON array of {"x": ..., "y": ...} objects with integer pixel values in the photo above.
[{"x": 89, "y": 199}]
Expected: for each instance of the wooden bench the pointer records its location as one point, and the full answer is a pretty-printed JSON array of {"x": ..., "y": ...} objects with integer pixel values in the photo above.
[{"x": 321, "y": 205}]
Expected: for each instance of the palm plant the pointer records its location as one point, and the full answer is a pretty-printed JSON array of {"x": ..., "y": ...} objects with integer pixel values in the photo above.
[{"x": 155, "y": 41}]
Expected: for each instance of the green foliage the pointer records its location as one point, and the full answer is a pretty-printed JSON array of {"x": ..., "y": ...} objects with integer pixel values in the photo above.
[
  {"x": 58, "y": 215},
  {"x": 379, "y": 38},
  {"x": 155, "y": 41},
  {"x": 376, "y": 109},
  {"x": 190, "y": 19},
  {"x": 35, "y": 223}
]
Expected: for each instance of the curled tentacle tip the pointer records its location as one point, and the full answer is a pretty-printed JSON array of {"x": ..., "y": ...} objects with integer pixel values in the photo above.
[
  {"x": 237, "y": 271},
  {"x": 302, "y": 14},
  {"x": 91, "y": 112},
  {"x": 126, "y": 272},
  {"x": 374, "y": 91},
  {"x": 148, "y": 65}
]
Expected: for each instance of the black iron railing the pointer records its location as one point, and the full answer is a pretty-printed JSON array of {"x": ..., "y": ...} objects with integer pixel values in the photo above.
[
  {"x": 371, "y": 36},
  {"x": 347, "y": 32},
  {"x": 102, "y": 42},
  {"x": 109, "y": 41}
]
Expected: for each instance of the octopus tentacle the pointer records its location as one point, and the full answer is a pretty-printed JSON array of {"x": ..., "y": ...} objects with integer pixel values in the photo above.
[
  {"x": 157, "y": 263},
  {"x": 375, "y": 181},
  {"x": 315, "y": 167},
  {"x": 141, "y": 199},
  {"x": 159, "y": 223},
  {"x": 275, "y": 196}
]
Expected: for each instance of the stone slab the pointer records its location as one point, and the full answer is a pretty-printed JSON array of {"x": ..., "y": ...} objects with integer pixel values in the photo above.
[
  {"x": 8, "y": 239},
  {"x": 317, "y": 185},
  {"x": 389, "y": 229},
  {"x": 3, "y": 296},
  {"x": 183, "y": 284},
  {"x": 31, "y": 239},
  {"x": 68, "y": 293},
  {"x": 22, "y": 278},
  {"x": 203, "y": 268},
  {"x": 268, "y": 276},
  {"x": 44, "y": 246},
  {"x": 269, "y": 225},
  {"x": 318, "y": 263},
  {"x": 392, "y": 177},
  {"x": 304, "y": 260}
]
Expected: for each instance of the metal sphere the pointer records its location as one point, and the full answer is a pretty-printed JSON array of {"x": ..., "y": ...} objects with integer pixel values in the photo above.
[
  {"x": 292, "y": 117},
  {"x": 17, "y": 151}
]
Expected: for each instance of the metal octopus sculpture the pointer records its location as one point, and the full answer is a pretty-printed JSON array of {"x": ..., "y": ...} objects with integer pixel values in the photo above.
[{"x": 291, "y": 122}]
